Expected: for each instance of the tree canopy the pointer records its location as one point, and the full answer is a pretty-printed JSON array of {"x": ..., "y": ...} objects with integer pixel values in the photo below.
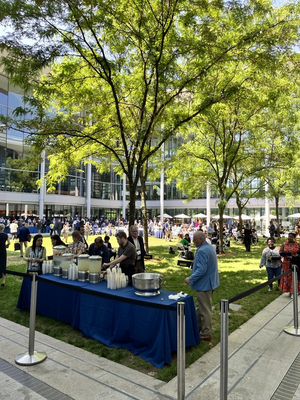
[{"x": 124, "y": 72}]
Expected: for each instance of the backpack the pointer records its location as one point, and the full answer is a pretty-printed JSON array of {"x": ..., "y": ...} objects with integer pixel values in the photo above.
[{"x": 171, "y": 250}]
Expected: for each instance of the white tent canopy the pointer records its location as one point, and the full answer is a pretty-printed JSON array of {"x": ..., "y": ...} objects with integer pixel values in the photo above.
[
  {"x": 165, "y": 215},
  {"x": 297, "y": 215},
  {"x": 200, "y": 215},
  {"x": 244, "y": 217},
  {"x": 218, "y": 216},
  {"x": 182, "y": 216}
]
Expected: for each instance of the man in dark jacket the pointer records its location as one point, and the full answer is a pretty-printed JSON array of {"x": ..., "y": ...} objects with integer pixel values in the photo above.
[
  {"x": 23, "y": 233},
  {"x": 98, "y": 248},
  {"x": 138, "y": 242}
]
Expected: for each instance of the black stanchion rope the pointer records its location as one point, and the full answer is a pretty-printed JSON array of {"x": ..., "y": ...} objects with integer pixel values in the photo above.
[{"x": 256, "y": 288}]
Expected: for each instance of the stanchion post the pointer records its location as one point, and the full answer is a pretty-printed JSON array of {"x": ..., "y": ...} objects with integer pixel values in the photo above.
[
  {"x": 224, "y": 350},
  {"x": 32, "y": 357},
  {"x": 294, "y": 330},
  {"x": 180, "y": 350}
]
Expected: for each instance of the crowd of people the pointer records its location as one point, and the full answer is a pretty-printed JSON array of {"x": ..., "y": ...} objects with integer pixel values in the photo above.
[{"x": 130, "y": 254}]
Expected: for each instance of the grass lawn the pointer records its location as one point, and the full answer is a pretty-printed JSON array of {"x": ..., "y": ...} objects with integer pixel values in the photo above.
[{"x": 239, "y": 271}]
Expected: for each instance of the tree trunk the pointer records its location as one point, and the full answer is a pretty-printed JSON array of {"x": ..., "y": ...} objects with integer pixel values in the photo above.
[
  {"x": 131, "y": 206},
  {"x": 240, "y": 209},
  {"x": 221, "y": 224},
  {"x": 277, "y": 215},
  {"x": 143, "y": 178}
]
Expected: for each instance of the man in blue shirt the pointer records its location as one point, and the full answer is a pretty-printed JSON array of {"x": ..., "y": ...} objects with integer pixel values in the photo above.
[{"x": 204, "y": 279}]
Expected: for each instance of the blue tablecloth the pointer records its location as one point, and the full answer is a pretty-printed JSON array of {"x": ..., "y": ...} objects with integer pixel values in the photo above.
[{"x": 147, "y": 326}]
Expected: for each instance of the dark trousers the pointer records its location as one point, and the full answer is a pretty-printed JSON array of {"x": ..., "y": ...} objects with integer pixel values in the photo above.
[
  {"x": 247, "y": 242},
  {"x": 128, "y": 270},
  {"x": 272, "y": 273}
]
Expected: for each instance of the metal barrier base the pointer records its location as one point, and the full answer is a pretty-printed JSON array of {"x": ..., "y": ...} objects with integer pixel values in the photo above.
[
  {"x": 291, "y": 330},
  {"x": 26, "y": 359}
]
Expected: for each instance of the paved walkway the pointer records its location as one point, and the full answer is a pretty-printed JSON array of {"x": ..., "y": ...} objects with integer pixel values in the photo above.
[{"x": 264, "y": 363}]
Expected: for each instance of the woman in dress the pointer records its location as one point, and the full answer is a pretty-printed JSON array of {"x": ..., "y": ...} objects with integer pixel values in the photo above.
[
  {"x": 65, "y": 231},
  {"x": 4, "y": 243},
  {"x": 289, "y": 250},
  {"x": 35, "y": 255}
]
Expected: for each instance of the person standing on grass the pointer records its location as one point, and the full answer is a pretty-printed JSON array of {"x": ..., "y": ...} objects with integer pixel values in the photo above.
[
  {"x": 271, "y": 259},
  {"x": 289, "y": 250},
  {"x": 204, "y": 279},
  {"x": 23, "y": 234},
  {"x": 247, "y": 237},
  {"x": 4, "y": 243},
  {"x": 138, "y": 243}
]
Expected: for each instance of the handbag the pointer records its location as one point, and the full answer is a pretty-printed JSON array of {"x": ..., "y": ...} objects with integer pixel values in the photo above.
[
  {"x": 29, "y": 238},
  {"x": 17, "y": 246}
]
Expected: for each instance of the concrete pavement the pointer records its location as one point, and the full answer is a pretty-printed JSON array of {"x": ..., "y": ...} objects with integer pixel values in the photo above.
[{"x": 264, "y": 363}]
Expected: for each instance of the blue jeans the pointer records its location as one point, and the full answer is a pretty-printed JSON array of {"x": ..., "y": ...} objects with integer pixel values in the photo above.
[{"x": 272, "y": 273}]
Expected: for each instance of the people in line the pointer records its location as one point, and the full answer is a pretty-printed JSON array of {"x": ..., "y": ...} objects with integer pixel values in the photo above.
[
  {"x": 98, "y": 248},
  {"x": 35, "y": 255},
  {"x": 204, "y": 279},
  {"x": 4, "y": 244},
  {"x": 289, "y": 250},
  {"x": 138, "y": 242},
  {"x": 56, "y": 241},
  {"x": 271, "y": 259},
  {"x": 76, "y": 247},
  {"x": 81, "y": 231},
  {"x": 126, "y": 256},
  {"x": 111, "y": 250}
]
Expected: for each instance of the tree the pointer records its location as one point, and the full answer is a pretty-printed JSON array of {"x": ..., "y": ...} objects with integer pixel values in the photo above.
[
  {"x": 226, "y": 147},
  {"x": 134, "y": 67}
]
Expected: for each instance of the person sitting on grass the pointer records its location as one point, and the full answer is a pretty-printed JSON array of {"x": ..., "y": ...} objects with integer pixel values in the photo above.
[{"x": 182, "y": 240}]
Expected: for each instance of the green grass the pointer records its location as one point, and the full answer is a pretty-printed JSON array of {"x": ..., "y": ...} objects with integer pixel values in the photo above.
[{"x": 239, "y": 272}]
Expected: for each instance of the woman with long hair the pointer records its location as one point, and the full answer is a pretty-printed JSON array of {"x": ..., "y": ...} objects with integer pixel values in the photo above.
[
  {"x": 56, "y": 241},
  {"x": 35, "y": 255}
]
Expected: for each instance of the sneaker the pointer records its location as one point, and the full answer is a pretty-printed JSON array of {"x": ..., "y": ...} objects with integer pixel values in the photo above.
[
  {"x": 292, "y": 297},
  {"x": 270, "y": 289}
]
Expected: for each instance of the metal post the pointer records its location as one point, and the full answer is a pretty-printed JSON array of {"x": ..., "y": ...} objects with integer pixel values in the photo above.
[
  {"x": 32, "y": 357},
  {"x": 294, "y": 330},
  {"x": 180, "y": 350},
  {"x": 224, "y": 350}
]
